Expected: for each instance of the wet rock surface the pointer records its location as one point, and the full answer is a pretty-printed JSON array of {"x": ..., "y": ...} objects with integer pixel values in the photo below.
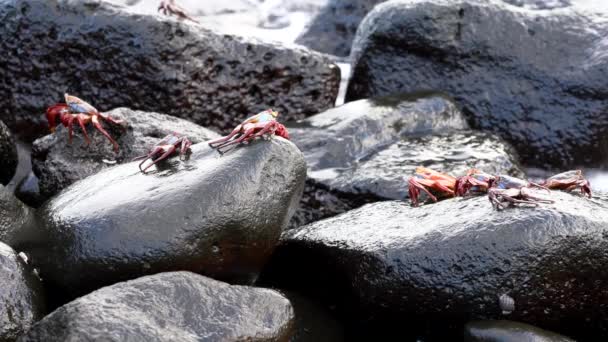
[
  {"x": 13, "y": 214},
  {"x": 113, "y": 57},
  {"x": 493, "y": 59},
  {"x": 333, "y": 29},
  {"x": 28, "y": 191},
  {"x": 8, "y": 155},
  {"x": 218, "y": 216},
  {"x": 444, "y": 264},
  {"x": 57, "y": 163},
  {"x": 176, "y": 306},
  {"x": 508, "y": 331},
  {"x": 21, "y": 296},
  {"x": 313, "y": 323},
  {"x": 364, "y": 151}
]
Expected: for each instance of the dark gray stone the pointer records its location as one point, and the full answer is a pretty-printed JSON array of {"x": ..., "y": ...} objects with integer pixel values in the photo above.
[
  {"x": 113, "y": 57},
  {"x": 508, "y": 331},
  {"x": 13, "y": 214},
  {"x": 439, "y": 266},
  {"x": 57, "y": 163},
  {"x": 313, "y": 322},
  {"x": 8, "y": 155},
  {"x": 28, "y": 191},
  {"x": 333, "y": 29},
  {"x": 176, "y": 306},
  {"x": 218, "y": 216},
  {"x": 364, "y": 151},
  {"x": 537, "y": 80},
  {"x": 21, "y": 295}
]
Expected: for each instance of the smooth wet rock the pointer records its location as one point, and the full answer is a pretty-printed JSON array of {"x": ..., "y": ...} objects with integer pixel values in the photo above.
[
  {"x": 364, "y": 151},
  {"x": 57, "y": 163},
  {"x": 441, "y": 265},
  {"x": 333, "y": 29},
  {"x": 176, "y": 306},
  {"x": 28, "y": 191},
  {"x": 21, "y": 296},
  {"x": 535, "y": 78},
  {"x": 8, "y": 155},
  {"x": 113, "y": 57},
  {"x": 218, "y": 216},
  {"x": 13, "y": 214},
  {"x": 508, "y": 331}
]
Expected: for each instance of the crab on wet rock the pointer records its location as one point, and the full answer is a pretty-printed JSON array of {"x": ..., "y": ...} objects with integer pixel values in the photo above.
[
  {"x": 507, "y": 191},
  {"x": 474, "y": 182},
  {"x": 434, "y": 184},
  {"x": 75, "y": 110},
  {"x": 261, "y": 125},
  {"x": 164, "y": 149},
  {"x": 170, "y": 7},
  {"x": 568, "y": 181}
]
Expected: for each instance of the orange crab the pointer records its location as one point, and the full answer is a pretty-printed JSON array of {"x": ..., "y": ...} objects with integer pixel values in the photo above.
[
  {"x": 569, "y": 181},
  {"x": 475, "y": 182},
  {"x": 430, "y": 181}
]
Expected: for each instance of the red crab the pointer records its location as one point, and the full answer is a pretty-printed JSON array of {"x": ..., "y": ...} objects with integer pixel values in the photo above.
[
  {"x": 430, "y": 181},
  {"x": 258, "y": 126},
  {"x": 569, "y": 181},
  {"x": 475, "y": 181},
  {"x": 168, "y": 7},
  {"x": 164, "y": 149},
  {"x": 75, "y": 109},
  {"x": 506, "y": 191}
]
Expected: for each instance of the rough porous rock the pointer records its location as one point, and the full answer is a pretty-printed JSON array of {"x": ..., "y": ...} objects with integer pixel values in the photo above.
[
  {"x": 13, "y": 214},
  {"x": 508, "y": 331},
  {"x": 113, "y": 57},
  {"x": 220, "y": 216},
  {"x": 439, "y": 266},
  {"x": 535, "y": 78},
  {"x": 8, "y": 155},
  {"x": 21, "y": 295},
  {"x": 364, "y": 151},
  {"x": 57, "y": 163},
  {"x": 333, "y": 29},
  {"x": 175, "y": 306}
]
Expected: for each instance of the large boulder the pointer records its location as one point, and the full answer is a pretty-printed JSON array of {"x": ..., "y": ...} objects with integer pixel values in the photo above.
[
  {"x": 364, "y": 151},
  {"x": 114, "y": 57},
  {"x": 439, "y": 266},
  {"x": 218, "y": 216},
  {"x": 176, "y": 306},
  {"x": 508, "y": 331},
  {"x": 13, "y": 214},
  {"x": 21, "y": 295},
  {"x": 57, "y": 163},
  {"x": 8, "y": 155},
  {"x": 493, "y": 58}
]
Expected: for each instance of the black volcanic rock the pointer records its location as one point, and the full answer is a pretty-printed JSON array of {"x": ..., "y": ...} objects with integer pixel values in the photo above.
[
  {"x": 13, "y": 214},
  {"x": 535, "y": 78},
  {"x": 218, "y": 216},
  {"x": 57, "y": 163},
  {"x": 364, "y": 151},
  {"x": 113, "y": 57},
  {"x": 21, "y": 296},
  {"x": 434, "y": 268},
  {"x": 175, "y": 306},
  {"x": 508, "y": 331},
  {"x": 8, "y": 155}
]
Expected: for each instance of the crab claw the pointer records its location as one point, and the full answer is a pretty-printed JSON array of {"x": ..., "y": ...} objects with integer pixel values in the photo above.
[{"x": 168, "y": 7}]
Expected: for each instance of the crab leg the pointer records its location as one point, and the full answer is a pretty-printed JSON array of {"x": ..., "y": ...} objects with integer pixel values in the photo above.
[
  {"x": 70, "y": 124},
  {"x": 184, "y": 147},
  {"x": 103, "y": 131},
  {"x": 162, "y": 157},
  {"x": 83, "y": 128},
  {"x": 245, "y": 135},
  {"x": 414, "y": 191},
  {"x": 221, "y": 140}
]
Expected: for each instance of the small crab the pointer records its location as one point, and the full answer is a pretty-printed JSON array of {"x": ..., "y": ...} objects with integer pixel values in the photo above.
[
  {"x": 508, "y": 191},
  {"x": 164, "y": 149},
  {"x": 428, "y": 180},
  {"x": 168, "y": 7},
  {"x": 75, "y": 109},
  {"x": 475, "y": 181},
  {"x": 569, "y": 181},
  {"x": 258, "y": 126}
]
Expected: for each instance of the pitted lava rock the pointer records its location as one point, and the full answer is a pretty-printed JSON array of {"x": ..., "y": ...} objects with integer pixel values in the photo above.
[
  {"x": 535, "y": 78},
  {"x": 220, "y": 216},
  {"x": 13, "y": 214},
  {"x": 21, "y": 296},
  {"x": 175, "y": 306},
  {"x": 57, "y": 163},
  {"x": 444, "y": 264},
  {"x": 8, "y": 155},
  {"x": 113, "y": 57},
  {"x": 364, "y": 151},
  {"x": 508, "y": 331},
  {"x": 333, "y": 29}
]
